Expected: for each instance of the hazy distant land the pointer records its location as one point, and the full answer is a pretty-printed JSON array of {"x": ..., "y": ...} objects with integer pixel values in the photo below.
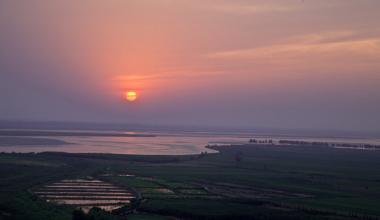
[
  {"x": 69, "y": 133},
  {"x": 30, "y": 141}
]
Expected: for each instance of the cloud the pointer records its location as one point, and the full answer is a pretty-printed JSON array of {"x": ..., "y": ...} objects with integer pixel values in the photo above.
[
  {"x": 323, "y": 49},
  {"x": 254, "y": 8}
]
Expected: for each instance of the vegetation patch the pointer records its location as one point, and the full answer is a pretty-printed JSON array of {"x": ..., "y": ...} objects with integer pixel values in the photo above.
[{"x": 267, "y": 182}]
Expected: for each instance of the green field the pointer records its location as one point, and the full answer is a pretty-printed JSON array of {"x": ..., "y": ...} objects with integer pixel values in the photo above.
[{"x": 269, "y": 182}]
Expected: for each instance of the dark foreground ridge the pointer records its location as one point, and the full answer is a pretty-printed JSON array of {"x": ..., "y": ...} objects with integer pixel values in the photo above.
[{"x": 241, "y": 182}]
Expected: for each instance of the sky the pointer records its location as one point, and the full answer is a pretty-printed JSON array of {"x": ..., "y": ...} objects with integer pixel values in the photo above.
[{"x": 311, "y": 64}]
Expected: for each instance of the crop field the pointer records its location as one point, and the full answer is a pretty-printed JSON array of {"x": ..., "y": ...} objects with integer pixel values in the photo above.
[
  {"x": 149, "y": 188},
  {"x": 267, "y": 182},
  {"x": 85, "y": 193}
]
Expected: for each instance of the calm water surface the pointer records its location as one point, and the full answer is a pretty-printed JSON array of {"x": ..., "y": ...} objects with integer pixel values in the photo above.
[{"x": 164, "y": 143}]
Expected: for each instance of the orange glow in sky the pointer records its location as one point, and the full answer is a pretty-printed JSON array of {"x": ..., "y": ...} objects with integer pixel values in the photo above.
[{"x": 287, "y": 64}]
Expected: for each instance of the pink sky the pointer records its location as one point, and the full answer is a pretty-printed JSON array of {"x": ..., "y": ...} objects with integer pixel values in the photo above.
[{"x": 287, "y": 64}]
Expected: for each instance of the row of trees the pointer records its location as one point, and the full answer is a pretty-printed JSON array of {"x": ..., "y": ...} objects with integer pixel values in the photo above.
[
  {"x": 258, "y": 141},
  {"x": 327, "y": 144}
]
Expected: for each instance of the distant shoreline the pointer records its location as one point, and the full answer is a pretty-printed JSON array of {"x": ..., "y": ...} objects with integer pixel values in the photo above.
[
  {"x": 69, "y": 133},
  {"x": 30, "y": 141},
  {"x": 298, "y": 143}
]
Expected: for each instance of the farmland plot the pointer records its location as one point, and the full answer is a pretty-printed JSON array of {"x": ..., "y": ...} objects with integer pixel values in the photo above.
[{"x": 86, "y": 194}]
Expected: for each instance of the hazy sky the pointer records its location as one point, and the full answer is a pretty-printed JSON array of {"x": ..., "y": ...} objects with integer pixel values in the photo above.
[{"x": 284, "y": 63}]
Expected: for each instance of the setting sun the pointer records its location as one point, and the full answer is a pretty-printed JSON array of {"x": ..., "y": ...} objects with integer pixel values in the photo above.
[
  {"x": 146, "y": 102},
  {"x": 131, "y": 96}
]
